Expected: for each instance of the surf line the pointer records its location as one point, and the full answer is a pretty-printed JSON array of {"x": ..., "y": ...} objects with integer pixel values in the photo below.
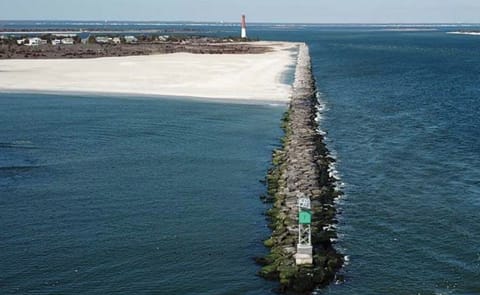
[{"x": 302, "y": 192}]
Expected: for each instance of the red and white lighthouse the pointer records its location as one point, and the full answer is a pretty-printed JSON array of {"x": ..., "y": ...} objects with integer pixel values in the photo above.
[{"x": 244, "y": 27}]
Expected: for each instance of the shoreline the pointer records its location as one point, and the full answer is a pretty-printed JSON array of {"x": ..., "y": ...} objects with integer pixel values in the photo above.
[
  {"x": 224, "y": 77},
  {"x": 141, "y": 96},
  {"x": 301, "y": 168}
]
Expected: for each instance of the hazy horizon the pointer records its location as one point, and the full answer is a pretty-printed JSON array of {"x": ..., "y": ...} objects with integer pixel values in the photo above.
[
  {"x": 266, "y": 11},
  {"x": 238, "y": 22}
]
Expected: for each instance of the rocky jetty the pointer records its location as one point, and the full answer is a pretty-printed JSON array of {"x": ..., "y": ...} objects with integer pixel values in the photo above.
[{"x": 301, "y": 168}]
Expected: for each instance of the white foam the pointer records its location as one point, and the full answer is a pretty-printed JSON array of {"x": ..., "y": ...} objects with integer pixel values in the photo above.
[
  {"x": 464, "y": 33},
  {"x": 346, "y": 260},
  {"x": 330, "y": 227},
  {"x": 333, "y": 172}
]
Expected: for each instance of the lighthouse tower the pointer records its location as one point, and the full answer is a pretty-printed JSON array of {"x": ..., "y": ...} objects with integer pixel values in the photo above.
[{"x": 244, "y": 27}]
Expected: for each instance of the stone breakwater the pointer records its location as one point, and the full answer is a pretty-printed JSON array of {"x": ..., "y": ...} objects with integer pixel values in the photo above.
[{"x": 301, "y": 167}]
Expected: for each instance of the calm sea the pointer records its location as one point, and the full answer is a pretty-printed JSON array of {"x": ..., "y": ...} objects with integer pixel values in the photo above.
[
  {"x": 104, "y": 195},
  {"x": 130, "y": 196},
  {"x": 403, "y": 117}
]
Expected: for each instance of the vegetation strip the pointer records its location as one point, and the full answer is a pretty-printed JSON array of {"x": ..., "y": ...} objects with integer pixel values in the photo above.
[
  {"x": 49, "y": 46},
  {"x": 301, "y": 167}
]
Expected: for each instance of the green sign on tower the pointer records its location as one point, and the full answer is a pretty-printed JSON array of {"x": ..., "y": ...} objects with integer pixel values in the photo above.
[{"x": 305, "y": 217}]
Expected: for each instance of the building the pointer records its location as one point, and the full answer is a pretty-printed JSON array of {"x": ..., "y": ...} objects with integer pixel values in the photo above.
[
  {"x": 102, "y": 40},
  {"x": 130, "y": 39},
  {"x": 68, "y": 41},
  {"x": 56, "y": 41},
  {"x": 35, "y": 41},
  {"x": 116, "y": 40}
]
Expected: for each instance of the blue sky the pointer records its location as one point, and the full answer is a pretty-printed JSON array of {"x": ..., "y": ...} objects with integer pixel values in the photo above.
[{"x": 312, "y": 11}]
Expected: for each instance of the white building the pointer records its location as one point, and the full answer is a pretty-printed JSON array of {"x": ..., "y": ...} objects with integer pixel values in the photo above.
[
  {"x": 35, "y": 41},
  {"x": 68, "y": 41},
  {"x": 131, "y": 39},
  {"x": 56, "y": 42},
  {"x": 116, "y": 40},
  {"x": 102, "y": 40}
]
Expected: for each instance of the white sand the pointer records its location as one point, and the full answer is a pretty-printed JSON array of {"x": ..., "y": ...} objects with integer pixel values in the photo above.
[{"x": 230, "y": 76}]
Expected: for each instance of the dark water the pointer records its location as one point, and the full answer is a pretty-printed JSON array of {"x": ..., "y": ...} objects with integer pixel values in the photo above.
[
  {"x": 106, "y": 195},
  {"x": 143, "y": 196}
]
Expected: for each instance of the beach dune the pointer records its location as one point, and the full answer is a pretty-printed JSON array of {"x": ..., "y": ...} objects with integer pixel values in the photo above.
[{"x": 252, "y": 77}]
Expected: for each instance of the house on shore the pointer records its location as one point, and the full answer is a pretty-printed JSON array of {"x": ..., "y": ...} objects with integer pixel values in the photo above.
[
  {"x": 102, "y": 40},
  {"x": 68, "y": 41},
  {"x": 130, "y": 39},
  {"x": 21, "y": 41},
  {"x": 35, "y": 41},
  {"x": 116, "y": 40}
]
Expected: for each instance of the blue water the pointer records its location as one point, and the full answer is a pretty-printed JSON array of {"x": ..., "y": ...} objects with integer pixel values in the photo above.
[
  {"x": 403, "y": 117},
  {"x": 108, "y": 195},
  {"x": 143, "y": 196}
]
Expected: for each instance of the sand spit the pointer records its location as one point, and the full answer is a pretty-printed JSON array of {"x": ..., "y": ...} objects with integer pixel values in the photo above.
[{"x": 251, "y": 77}]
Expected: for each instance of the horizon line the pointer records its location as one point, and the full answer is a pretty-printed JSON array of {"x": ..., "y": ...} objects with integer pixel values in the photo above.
[{"x": 235, "y": 22}]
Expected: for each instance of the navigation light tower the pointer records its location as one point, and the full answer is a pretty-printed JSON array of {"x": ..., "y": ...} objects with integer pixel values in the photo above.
[
  {"x": 304, "y": 247},
  {"x": 244, "y": 27}
]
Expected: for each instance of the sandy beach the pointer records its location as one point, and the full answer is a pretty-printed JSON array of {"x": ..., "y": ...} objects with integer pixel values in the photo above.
[{"x": 251, "y": 77}]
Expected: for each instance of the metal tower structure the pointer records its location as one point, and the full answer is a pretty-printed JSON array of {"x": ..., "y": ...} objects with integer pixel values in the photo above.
[{"x": 304, "y": 247}]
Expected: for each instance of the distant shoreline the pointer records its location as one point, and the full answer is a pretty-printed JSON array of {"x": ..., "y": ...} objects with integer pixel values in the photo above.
[{"x": 142, "y": 96}]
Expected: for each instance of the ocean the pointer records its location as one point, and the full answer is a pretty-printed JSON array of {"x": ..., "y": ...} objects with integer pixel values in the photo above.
[
  {"x": 402, "y": 115},
  {"x": 109, "y": 195}
]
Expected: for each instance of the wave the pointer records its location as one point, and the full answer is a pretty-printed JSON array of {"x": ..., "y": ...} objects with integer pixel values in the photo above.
[
  {"x": 13, "y": 168},
  {"x": 410, "y": 30},
  {"x": 464, "y": 33},
  {"x": 18, "y": 144},
  {"x": 332, "y": 169},
  {"x": 333, "y": 172}
]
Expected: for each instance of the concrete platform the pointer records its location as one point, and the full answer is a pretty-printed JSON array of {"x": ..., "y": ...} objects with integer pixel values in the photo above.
[
  {"x": 304, "y": 255},
  {"x": 302, "y": 259}
]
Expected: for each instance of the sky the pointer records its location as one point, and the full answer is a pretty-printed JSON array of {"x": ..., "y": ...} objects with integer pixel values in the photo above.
[{"x": 280, "y": 11}]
